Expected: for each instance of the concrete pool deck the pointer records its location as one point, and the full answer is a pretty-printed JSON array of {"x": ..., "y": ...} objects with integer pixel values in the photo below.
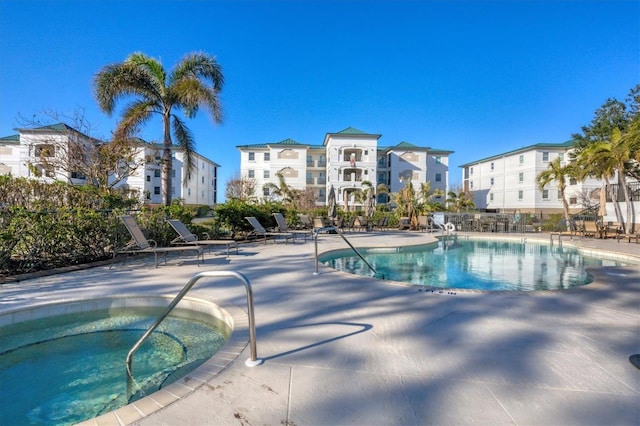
[{"x": 341, "y": 349}]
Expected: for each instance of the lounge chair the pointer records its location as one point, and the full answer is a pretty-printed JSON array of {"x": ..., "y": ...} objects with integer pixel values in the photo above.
[
  {"x": 140, "y": 244},
  {"x": 185, "y": 237},
  {"x": 629, "y": 236},
  {"x": 590, "y": 229},
  {"x": 259, "y": 230},
  {"x": 283, "y": 227},
  {"x": 305, "y": 221}
]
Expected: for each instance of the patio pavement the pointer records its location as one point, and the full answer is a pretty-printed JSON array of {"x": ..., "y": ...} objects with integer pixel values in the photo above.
[{"x": 340, "y": 349}]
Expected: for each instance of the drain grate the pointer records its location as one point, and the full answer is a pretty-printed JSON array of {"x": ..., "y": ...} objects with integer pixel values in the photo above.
[{"x": 635, "y": 360}]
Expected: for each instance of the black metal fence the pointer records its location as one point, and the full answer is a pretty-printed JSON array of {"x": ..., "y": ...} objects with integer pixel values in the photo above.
[{"x": 634, "y": 192}]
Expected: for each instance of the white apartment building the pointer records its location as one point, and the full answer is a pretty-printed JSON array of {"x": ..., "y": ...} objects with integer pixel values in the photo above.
[
  {"x": 507, "y": 182},
  {"x": 22, "y": 155},
  {"x": 345, "y": 160}
]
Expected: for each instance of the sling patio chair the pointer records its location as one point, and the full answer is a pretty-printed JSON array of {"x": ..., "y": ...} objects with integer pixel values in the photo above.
[
  {"x": 260, "y": 231},
  {"x": 283, "y": 227},
  {"x": 140, "y": 244},
  {"x": 186, "y": 237}
]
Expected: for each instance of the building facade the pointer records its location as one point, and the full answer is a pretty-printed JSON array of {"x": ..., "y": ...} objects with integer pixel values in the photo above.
[
  {"x": 507, "y": 182},
  {"x": 48, "y": 153},
  {"x": 344, "y": 161}
]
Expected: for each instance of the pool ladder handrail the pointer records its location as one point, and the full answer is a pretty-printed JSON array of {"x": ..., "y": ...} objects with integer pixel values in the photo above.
[
  {"x": 326, "y": 229},
  {"x": 251, "y": 362}
]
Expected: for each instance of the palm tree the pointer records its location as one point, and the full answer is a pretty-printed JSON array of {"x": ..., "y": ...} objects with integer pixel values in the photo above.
[
  {"x": 281, "y": 190},
  {"x": 426, "y": 195},
  {"x": 196, "y": 81},
  {"x": 596, "y": 160},
  {"x": 459, "y": 201},
  {"x": 556, "y": 171}
]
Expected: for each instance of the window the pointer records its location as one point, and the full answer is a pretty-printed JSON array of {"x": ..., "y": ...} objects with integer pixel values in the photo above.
[
  {"x": 471, "y": 171},
  {"x": 521, "y": 159},
  {"x": 492, "y": 165},
  {"x": 573, "y": 181},
  {"x": 545, "y": 156},
  {"x": 156, "y": 173},
  {"x": 203, "y": 180},
  {"x": 173, "y": 173},
  {"x": 491, "y": 197},
  {"x": 252, "y": 156},
  {"x": 265, "y": 174},
  {"x": 189, "y": 191},
  {"x": 45, "y": 150},
  {"x": 559, "y": 195},
  {"x": 545, "y": 194},
  {"x": 148, "y": 178},
  {"x": 252, "y": 174},
  {"x": 265, "y": 192},
  {"x": 573, "y": 200},
  {"x": 561, "y": 156},
  {"x": 309, "y": 178},
  {"x": 267, "y": 156},
  {"x": 520, "y": 195},
  {"x": 438, "y": 177},
  {"x": 520, "y": 177},
  {"x": 173, "y": 190},
  {"x": 202, "y": 165},
  {"x": 491, "y": 182},
  {"x": 438, "y": 160},
  {"x": 156, "y": 190},
  {"x": 471, "y": 184}
]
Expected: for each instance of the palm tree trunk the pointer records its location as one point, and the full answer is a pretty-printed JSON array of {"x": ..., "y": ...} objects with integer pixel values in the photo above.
[
  {"x": 616, "y": 205},
  {"x": 629, "y": 224},
  {"x": 166, "y": 160}
]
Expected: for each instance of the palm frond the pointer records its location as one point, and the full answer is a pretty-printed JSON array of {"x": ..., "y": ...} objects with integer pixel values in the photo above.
[{"x": 185, "y": 141}]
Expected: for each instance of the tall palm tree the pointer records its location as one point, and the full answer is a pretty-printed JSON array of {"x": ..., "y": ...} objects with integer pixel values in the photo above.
[
  {"x": 596, "y": 160},
  {"x": 196, "y": 81},
  {"x": 556, "y": 171}
]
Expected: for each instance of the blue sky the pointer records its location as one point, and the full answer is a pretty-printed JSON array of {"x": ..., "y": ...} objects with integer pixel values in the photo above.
[{"x": 475, "y": 77}]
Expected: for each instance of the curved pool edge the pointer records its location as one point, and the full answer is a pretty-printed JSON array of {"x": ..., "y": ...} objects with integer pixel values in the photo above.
[
  {"x": 602, "y": 276},
  {"x": 234, "y": 317}
]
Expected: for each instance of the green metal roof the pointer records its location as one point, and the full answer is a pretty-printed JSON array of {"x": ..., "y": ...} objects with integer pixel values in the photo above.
[
  {"x": 287, "y": 141},
  {"x": 12, "y": 138},
  {"x": 542, "y": 145},
  {"x": 352, "y": 131}
]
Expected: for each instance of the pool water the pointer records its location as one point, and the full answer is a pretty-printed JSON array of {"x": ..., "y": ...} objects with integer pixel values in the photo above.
[
  {"x": 473, "y": 264},
  {"x": 70, "y": 368}
]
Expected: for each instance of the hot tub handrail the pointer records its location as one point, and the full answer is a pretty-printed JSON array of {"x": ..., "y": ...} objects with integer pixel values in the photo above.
[
  {"x": 333, "y": 228},
  {"x": 253, "y": 361}
]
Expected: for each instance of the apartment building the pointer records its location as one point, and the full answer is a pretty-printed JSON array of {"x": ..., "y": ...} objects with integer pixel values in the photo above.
[
  {"x": 344, "y": 160},
  {"x": 507, "y": 182},
  {"x": 49, "y": 152}
]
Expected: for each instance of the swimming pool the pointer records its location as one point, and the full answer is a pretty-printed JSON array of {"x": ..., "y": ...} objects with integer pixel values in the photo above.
[
  {"x": 65, "y": 363},
  {"x": 459, "y": 263}
]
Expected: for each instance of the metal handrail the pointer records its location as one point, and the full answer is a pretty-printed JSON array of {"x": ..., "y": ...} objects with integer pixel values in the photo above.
[
  {"x": 333, "y": 228},
  {"x": 253, "y": 361}
]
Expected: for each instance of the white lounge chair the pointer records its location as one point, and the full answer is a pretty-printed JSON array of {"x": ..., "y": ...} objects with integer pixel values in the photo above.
[
  {"x": 259, "y": 230},
  {"x": 283, "y": 227},
  {"x": 140, "y": 244},
  {"x": 186, "y": 237}
]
